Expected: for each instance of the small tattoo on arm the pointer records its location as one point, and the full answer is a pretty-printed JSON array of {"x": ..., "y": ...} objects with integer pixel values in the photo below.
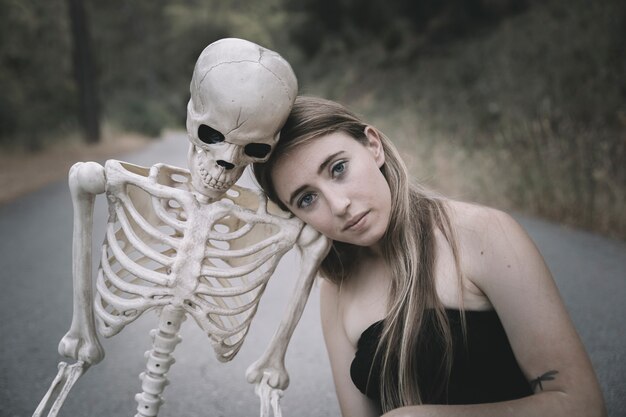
[{"x": 536, "y": 383}]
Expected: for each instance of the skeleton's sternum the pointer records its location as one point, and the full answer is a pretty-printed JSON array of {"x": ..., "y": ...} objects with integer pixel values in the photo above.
[{"x": 188, "y": 264}]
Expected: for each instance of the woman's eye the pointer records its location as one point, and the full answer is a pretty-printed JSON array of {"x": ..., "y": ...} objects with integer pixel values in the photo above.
[
  {"x": 306, "y": 200},
  {"x": 339, "y": 168}
]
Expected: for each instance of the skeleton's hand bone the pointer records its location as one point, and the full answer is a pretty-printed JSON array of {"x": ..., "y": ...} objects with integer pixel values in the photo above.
[
  {"x": 60, "y": 387},
  {"x": 270, "y": 397}
]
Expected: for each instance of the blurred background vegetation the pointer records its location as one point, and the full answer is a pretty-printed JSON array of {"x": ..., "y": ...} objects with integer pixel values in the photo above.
[{"x": 514, "y": 103}]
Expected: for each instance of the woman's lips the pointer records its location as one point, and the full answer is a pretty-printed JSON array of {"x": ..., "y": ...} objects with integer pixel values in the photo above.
[{"x": 356, "y": 222}]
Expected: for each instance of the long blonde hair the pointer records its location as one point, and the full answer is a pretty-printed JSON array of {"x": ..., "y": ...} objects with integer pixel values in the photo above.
[{"x": 408, "y": 248}]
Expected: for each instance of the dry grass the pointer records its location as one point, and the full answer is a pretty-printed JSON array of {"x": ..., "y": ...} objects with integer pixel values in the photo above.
[
  {"x": 23, "y": 171},
  {"x": 528, "y": 116}
]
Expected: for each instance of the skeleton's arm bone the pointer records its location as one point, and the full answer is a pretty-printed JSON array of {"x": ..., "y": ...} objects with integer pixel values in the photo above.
[
  {"x": 86, "y": 180},
  {"x": 313, "y": 247}
]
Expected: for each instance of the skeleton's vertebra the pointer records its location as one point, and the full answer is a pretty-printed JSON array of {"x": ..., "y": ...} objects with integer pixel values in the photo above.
[{"x": 154, "y": 379}]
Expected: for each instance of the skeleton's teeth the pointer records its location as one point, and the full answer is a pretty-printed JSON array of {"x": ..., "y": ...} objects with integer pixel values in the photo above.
[{"x": 212, "y": 182}]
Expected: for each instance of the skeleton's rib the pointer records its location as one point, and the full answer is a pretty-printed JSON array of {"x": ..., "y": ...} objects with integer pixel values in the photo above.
[
  {"x": 240, "y": 253},
  {"x": 116, "y": 322},
  {"x": 122, "y": 274},
  {"x": 211, "y": 328},
  {"x": 254, "y": 218},
  {"x": 130, "y": 265},
  {"x": 120, "y": 303},
  {"x": 218, "y": 319},
  {"x": 226, "y": 311},
  {"x": 141, "y": 290},
  {"x": 221, "y": 303},
  {"x": 147, "y": 227},
  {"x": 243, "y": 230},
  {"x": 214, "y": 329},
  {"x": 227, "y": 351},
  {"x": 162, "y": 214},
  {"x": 230, "y": 291},
  {"x": 152, "y": 187},
  {"x": 237, "y": 271},
  {"x": 136, "y": 243}
]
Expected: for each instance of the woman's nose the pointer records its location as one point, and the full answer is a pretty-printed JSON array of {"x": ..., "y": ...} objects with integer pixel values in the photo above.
[{"x": 338, "y": 203}]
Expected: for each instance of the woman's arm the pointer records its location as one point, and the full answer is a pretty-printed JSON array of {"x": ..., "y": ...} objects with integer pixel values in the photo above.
[
  {"x": 500, "y": 258},
  {"x": 341, "y": 353}
]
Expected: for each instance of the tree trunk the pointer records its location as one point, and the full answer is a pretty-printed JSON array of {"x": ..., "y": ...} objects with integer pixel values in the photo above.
[{"x": 84, "y": 72}]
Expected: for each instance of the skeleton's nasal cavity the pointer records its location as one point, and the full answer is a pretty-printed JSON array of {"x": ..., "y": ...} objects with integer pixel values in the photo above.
[{"x": 225, "y": 165}]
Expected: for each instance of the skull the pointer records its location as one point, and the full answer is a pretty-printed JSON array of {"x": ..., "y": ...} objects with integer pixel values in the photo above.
[{"x": 241, "y": 95}]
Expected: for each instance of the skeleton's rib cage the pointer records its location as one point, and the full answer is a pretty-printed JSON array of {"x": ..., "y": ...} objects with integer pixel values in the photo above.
[{"x": 163, "y": 247}]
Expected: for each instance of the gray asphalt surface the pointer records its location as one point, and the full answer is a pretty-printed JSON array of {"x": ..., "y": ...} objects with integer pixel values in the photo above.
[{"x": 36, "y": 309}]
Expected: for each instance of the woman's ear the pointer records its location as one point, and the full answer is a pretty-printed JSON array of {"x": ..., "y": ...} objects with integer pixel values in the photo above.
[{"x": 375, "y": 145}]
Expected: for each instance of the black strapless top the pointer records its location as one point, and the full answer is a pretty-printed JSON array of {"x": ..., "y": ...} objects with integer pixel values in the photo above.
[{"x": 483, "y": 371}]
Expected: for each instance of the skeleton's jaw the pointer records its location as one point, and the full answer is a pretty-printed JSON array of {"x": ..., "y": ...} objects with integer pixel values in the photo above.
[
  {"x": 212, "y": 186},
  {"x": 207, "y": 178}
]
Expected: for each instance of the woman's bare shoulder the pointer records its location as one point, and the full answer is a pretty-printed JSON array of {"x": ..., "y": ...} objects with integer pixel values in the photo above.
[
  {"x": 473, "y": 223},
  {"x": 472, "y": 216},
  {"x": 492, "y": 243},
  {"x": 482, "y": 232}
]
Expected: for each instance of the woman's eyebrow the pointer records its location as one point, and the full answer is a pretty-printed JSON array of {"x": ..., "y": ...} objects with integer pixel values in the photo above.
[{"x": 321, "y": 168}]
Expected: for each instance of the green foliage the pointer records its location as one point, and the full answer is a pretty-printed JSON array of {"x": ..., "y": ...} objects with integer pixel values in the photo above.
[
  {"x": 147, "y": 50},
  {"x": 529, "y": 94},
  {"x": 407, "y": 26},
  {"x": 535, "y": 108},
  {"x": 144, "y": 51},
  {"x": 35, "y": 70}
]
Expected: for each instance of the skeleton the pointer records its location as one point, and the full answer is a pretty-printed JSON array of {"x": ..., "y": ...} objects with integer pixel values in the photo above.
[{"x": 191, "y": 242}]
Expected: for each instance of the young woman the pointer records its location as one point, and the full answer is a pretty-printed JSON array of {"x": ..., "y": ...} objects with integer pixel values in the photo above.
[{"x": 430, "y": 307}]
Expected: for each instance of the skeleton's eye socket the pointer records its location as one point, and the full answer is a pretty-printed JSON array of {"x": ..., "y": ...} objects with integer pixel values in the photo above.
[
  {"x": 209, "y": 135},
  {"x": 257, "y": 150}
]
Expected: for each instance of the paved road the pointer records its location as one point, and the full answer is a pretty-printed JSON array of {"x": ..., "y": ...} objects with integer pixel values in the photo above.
[{"x": 35, "y": 311}]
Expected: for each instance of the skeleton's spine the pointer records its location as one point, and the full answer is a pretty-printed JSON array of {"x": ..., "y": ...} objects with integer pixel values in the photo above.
[{"x": 154, "y": 379}]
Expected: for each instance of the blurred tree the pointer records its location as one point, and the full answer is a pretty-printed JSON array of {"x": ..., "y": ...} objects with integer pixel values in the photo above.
[
  {"x": 393, "y": 24},
  {"x": 147, "y": 51},
  {"x": 146, "y": 54},
  {"x": 143, "y": 54},
  {"x": 35, "y": 72},
  {"x": 84, "y": 73}
]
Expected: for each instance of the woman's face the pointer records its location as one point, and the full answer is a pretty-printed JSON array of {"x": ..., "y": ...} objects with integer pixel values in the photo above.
[{"x": 334, "y": 184}]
